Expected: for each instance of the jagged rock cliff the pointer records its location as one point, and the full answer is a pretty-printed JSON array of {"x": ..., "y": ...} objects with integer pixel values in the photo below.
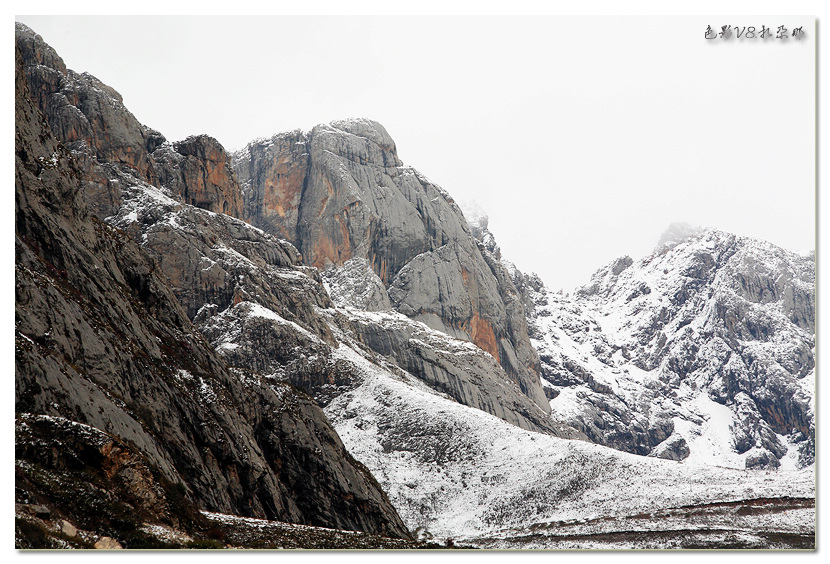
[
  {"x": 89, "y": 118},
  {"x": 703, "y": 349},
  {"x": 102, "y": 340},
  {"x": 213, "y": 262},
  {"x": 340, "y": 193}
]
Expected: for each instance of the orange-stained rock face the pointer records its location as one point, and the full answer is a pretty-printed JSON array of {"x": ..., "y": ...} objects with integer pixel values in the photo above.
[
  {"x": 283, "y": 192},
  {"x": 281, "y": 197},
  {"x": 203, "y": 177},
  {"x": 334, "y": 248},
  {"x": 273, "y": 173},
  {"x": 480, "y": 330},
  {"x": 465, "y": 275},
  {"x": 483, "y": 336},
  {"x": 379, "y": 266}
]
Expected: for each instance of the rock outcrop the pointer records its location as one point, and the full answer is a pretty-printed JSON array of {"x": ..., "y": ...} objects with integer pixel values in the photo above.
[
  {"x": 198, "y": 169},
  {"x": 89, "y": 118},
  {"x": 101, "y": 340},
  {"x": 341, "y": 193},
  {"x": 272, "y": 174}
]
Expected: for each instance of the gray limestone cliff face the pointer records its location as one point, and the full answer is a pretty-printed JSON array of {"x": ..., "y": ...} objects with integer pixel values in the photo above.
[
  {"x": 340, "y": 192},
  {"x": 100, "y": 339}
]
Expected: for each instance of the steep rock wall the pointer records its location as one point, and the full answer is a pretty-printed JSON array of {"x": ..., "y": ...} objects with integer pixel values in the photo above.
[
  {"x": 101, "y": 339},
  {"x": 90, "y": 119},
  {"x": 340, "y": 192}
]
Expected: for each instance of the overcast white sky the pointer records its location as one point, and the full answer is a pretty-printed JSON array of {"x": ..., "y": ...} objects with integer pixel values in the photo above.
[{"x": 582, "y": 138}]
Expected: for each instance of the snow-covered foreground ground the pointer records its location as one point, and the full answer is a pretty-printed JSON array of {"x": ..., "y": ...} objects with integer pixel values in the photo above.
[{"x": 460, "y": 473}]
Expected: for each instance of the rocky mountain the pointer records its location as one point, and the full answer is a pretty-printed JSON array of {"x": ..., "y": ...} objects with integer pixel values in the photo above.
[
  {"x": 247, "y": 293},
  {"x": 103, "y": 342},
  {"x": 703, "y": 350},
  {"x": 309, "y": 332},
  {"x": 122, "y": 158},
  {"x": 340, "y": 193}
]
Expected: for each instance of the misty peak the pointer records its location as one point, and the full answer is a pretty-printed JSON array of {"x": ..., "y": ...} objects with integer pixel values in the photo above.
[{"x": 677, "y": 233}]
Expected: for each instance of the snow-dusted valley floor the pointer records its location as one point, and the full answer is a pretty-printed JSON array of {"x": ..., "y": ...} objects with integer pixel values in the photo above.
[
  {"x": 456, "y": 472},
  {"x": 781, "y": 523}
]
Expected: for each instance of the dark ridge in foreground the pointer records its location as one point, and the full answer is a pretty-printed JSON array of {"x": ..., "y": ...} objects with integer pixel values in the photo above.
[{"x": 106, "y": 357}]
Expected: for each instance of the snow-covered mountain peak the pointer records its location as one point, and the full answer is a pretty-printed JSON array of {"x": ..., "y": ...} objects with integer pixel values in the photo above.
[
  {"x": 677, "y": 233},
  {"x": 704, "y": 346}
]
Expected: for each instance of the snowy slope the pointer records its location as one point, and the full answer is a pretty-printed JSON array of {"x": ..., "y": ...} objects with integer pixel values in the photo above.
[
  {"x": 453, "y": 471},
  {"x": 458, "y": 472},
  {"x": 611, "y": 364}
]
